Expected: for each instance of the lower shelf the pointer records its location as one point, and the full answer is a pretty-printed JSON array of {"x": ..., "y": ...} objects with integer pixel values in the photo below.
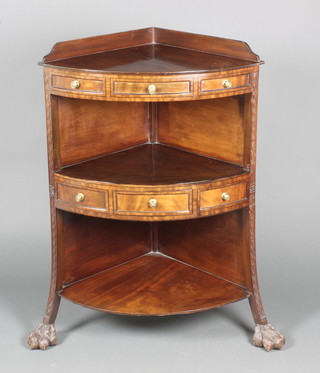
[{"x": 153, "y": 285}]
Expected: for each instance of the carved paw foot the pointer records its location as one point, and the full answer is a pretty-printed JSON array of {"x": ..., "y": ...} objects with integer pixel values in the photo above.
[
  {"x": 268, "y": 337},
  {"x": 42, "y": 337}
]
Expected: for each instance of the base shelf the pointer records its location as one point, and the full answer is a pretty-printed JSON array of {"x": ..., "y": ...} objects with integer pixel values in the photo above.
[{"x": 153, "y": 285}]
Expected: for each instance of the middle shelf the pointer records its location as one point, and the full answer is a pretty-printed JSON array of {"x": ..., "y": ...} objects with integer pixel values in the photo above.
[
  {"x": 153, "y": 164},
  {"x": 152, "y": 182}
]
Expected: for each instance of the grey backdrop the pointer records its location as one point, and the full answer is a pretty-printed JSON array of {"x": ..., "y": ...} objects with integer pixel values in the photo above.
[{"x": 286, "y": 35}]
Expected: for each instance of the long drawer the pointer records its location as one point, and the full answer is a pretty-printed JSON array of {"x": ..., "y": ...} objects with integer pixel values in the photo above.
[
  {"x": 174, "y": 203},
  {"x": 145, "y": 88}
]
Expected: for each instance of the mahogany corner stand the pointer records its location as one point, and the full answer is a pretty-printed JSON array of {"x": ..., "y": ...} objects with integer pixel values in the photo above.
[{"x": 152, "y": 155}]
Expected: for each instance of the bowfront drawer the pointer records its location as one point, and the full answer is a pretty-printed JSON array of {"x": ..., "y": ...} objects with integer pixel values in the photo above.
[
  {"x": 223, "y": 196},
  {"x": 150, "y": 88},
  {"x": 81, "y": 197},
  {"x": 223, "y": 84},
  {"x": 153, "y": 204},
  {"x": 78, "y": 85}
]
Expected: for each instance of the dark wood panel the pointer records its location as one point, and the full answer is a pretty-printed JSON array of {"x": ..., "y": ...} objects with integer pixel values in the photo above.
[
  {"x": 211, "y": 44},
  {"x": 96, "y": 44},
  {"x": 214, "y": 244},
  {"x": 91, "y": 128},
  {"x": 89, "y": 245},
  {"x": 152, "y": 165},
  {"x": 153, "y": 285},
  {"x": 93, "y": 46},
  {"x": 210, "y": 127},
  {"x": 153, "y": 58}
]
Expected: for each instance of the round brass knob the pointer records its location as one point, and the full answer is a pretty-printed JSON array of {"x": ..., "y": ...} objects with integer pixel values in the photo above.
[
  {"x": 152, "y": 89},
  {"x": 153, "y": 203},
  {"x": 227, "y": 84},
  {"x": 225, "y": 196},
  {"x": 79, "y": 197},
  {"x": 75, "y": 84}
]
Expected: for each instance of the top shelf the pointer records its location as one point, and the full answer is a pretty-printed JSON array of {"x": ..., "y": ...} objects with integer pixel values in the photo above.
[
  {"x": 153, "y": 58},
  {"x": 153, "y": 51}
]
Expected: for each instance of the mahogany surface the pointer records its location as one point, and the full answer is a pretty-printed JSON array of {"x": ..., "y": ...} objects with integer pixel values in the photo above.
[
  {"x": 152, "y": 164},
  {"x": 88, "y": 129},
  {"x": 153, "y": 58},
  {"x": 152, "y": 35},
  {"x": 153, "y": 285},
  {"x": 214, "y": 244},
  {"x": 152, "y": 161},
  {"x": 90, "y": 245},
  {"x": 215, "y": 128}
]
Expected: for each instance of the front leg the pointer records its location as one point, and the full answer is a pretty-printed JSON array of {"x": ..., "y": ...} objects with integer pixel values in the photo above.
[
  {"x": 265, "y": 334},
  {"x": 45, "y": 334}
]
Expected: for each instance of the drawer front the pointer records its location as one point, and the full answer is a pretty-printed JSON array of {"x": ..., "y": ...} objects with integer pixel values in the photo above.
[
  {"x": 145, "y": 89},
  {"x": 78, "y": 85},
  {"x": 224, "y": 84},
  {"x": 152, "y": 204},
  {"x": 222, "y": 196},
  {"x": 81, "y": 197}
]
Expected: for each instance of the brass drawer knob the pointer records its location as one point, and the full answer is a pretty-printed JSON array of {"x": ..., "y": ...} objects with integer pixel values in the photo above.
[
  {"x": 227, "y": 84},
  {"x": 153, "y": 203},
  {"x": 79, "y": 197},
  {"x": 225, "y": 196},
  {"x": 75, "y": 84},
  {"x": 152, "y": 89}
]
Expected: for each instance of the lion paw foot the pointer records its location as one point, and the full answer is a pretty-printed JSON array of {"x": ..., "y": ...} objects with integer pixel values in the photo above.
[
  {"x": 268, "y": 337},
  {"x": 42, "y": 337}
]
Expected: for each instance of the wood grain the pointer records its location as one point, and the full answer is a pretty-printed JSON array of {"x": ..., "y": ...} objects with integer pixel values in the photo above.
[
  {"x": 211, "y": 44},
  {"x": 91, "y": 198},
  {"x": 53, "y": 301},
  {"x": 153, "y": 285},
  {"x": 89, "y": 129},
  {"x": 86, "y": 86},
  {"x": 214, "y": 197},
  {"x": 209, "y": 85},
  {"x": 152, "y": 164},
  {"x": 178, "y": 86},
  {"x": 96, "y": 44},
  {"x": 210, "y": 127},
  {"x": 90, "y": 245},
  {"x": 214, "y": 244},
  {"x": 154, "y": 36},
  {"x": 133, "y": 88},
  {"x": 166, "y": 203},
  {"x": 142, "y": 194},
  {"x": 153, "y": 59}
]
